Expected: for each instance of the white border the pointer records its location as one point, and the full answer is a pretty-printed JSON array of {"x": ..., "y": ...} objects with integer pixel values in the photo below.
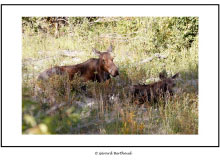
[{"x": 208, "y": 77}]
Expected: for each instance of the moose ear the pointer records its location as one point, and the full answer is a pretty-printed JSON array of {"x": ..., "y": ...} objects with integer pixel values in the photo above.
[
  {"x": 175, "y": 76},
  {"x": 109, "y": 48},
  {"x": 96, "y": 51},
  {"x": 163, "y": 75}
]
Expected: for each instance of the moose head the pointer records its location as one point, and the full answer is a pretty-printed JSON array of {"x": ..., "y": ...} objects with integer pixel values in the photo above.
[{"x": 106, "y": 62}]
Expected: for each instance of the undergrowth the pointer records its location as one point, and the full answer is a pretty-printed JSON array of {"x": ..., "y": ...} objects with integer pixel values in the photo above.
[{"x": 60, "y": 106}]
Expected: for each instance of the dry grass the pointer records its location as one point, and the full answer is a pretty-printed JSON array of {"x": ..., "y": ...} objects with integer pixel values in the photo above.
[{"x": 57, "y": 108}]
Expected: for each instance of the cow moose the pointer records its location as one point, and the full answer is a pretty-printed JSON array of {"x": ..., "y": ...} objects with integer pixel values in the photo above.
[
  {"x": 94, "y": 69},
  {"x": 152, "y": 92}
]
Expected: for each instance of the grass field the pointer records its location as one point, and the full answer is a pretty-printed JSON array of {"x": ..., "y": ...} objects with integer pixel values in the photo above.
[{"x": 107, "y": 108}]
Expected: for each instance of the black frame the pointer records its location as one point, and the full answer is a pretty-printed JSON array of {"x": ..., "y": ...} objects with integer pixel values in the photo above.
[{"x": 110, "y": 5}]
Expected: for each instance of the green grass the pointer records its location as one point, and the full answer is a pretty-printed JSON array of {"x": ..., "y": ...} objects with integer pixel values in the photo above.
[{"x": 133, "y": 40}]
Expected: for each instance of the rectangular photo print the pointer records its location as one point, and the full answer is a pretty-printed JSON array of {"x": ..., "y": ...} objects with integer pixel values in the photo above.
[{"x": 110, "y": 75}]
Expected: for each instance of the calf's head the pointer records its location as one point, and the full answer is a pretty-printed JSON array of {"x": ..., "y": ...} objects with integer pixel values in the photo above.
[
  {"x": 106, "y": 62},
  {"x": 168, "y": 83}
]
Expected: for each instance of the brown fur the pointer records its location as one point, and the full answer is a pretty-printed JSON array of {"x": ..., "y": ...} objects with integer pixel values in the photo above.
[
  {"x": 93, "y": 69},
  {"x": 152, "y": 92}
]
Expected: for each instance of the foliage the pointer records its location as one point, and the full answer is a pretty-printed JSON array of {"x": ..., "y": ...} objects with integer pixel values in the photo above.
[{"x": 107, "y": 108}]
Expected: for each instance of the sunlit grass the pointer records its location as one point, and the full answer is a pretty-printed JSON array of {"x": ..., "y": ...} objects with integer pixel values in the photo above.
[{"x": 133, "y": 43}]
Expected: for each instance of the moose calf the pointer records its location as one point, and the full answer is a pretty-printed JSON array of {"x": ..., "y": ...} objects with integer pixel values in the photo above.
[{"x": 152, "y": 92}]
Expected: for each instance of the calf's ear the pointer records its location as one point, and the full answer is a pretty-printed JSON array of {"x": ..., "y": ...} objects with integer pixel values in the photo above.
[
  {"x": 175, "y": 76},
  {"x": 96, "y": 51},
  {"x": 163, "y": 75},
  {"x": 109, "y": 48}
]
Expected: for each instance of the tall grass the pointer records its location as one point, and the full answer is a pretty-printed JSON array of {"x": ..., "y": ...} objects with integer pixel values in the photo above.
[{"x": 107, "y": 108}]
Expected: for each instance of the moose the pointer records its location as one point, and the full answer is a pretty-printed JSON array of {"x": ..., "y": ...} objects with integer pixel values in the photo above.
[
  {"x": 95, "y": 69},
  {"x": 152, "y": 92}
]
